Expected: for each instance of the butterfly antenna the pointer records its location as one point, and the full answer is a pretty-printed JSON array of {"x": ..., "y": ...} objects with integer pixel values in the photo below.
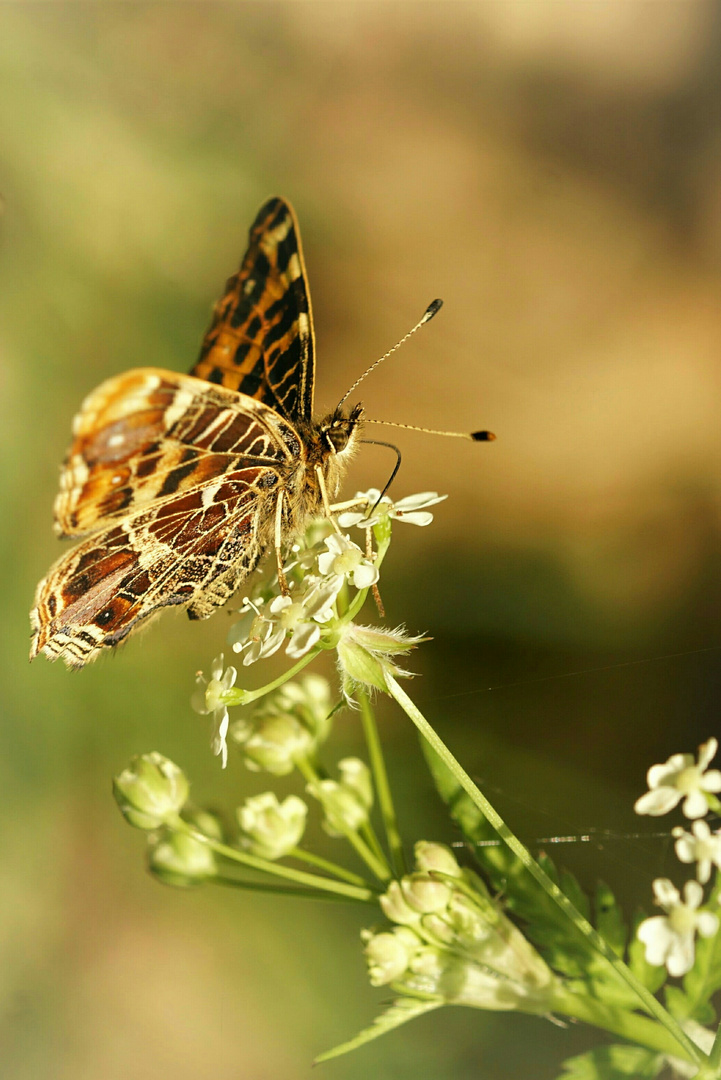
[
  {"x": 433, "y": 308},
  {"x": 474, "y": 436}
]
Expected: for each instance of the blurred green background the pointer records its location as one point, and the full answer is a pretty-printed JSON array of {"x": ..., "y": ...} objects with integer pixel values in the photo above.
[{"x": 553, "y": 171}]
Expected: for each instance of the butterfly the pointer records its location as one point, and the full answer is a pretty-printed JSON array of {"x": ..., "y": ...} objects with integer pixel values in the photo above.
[{"x": 180, "y": 484}]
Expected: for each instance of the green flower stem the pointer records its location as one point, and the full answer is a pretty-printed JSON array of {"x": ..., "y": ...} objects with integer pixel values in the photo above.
[
  {"x": 629, "y": 1025},
  {"x": 375, "y": 863},
  {"x": 368, "y": 856},
  {"x": 368, "y": 833},
  {"x": 283, "y": 890},
  {"x": 329, "y": 867},
  {"x": 300, "y": 877},
  {"x": 244, "y": 697},
  {"x": 380, "y": 776},
  {"x": 649, "y": 1002}
]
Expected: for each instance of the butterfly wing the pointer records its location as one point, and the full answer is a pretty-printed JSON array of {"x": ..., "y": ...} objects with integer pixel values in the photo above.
[
  {"x": 261, "y": 339},
  {"x": 147, "y": 435},
  {"x": 193, "y": 549}
]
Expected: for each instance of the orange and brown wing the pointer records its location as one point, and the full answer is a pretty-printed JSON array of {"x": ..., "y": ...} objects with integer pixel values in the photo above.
[
  {"x": 260, "y": 342},
  {"x": 192, "y": 550},
  {"x": 148, "y": 435}
]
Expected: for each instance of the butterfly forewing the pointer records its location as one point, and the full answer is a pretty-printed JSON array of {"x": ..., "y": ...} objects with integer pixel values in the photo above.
[
  {"x": 148, "y": 434},
  {"x": 261, "y": 338}
]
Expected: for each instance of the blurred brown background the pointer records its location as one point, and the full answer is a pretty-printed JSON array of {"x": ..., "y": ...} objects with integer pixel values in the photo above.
[{"x": 553, "y": 171}]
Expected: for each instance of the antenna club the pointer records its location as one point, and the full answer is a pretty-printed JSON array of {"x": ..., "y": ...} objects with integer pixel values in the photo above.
[
  {"x": 433, "y": 308},
  {"x": 483, "y": 436}
]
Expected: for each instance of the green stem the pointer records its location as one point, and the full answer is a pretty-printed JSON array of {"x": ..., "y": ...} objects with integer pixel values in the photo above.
[
  {"x": 583, "y": 925},
  {"x": 369, "y": 835},
  {"x": 329, "y": 867},
  {"x": 369, "y": 857},
  {"x": 282, "y": 890},
  {"x": 244, "y": 697},
  {"x": 299, "y": 877},
  {"x": 632, "y": 1026},
  {"x": 380, "y": 776}
]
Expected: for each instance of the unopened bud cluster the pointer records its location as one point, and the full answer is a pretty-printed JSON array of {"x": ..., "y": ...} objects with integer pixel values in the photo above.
[{"x": 453, "y": 942}]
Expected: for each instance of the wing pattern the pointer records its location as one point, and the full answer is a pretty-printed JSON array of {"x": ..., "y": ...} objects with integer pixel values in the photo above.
[
  {"x": 261, "y": 339},
  {"x": 148, "y": 434},
  {"x": 193, "y": 550}
]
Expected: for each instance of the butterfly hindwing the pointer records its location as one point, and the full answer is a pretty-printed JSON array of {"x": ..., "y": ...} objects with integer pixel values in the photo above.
[
  {"x": 261, "y": 339},
  {"x": 193, "y": 549}
]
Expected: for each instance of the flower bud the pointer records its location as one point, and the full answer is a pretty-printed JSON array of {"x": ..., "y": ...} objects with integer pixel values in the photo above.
[
  {"x": 394, "y": 906},
  {"x": 424, "y": 894},
  {"x": 181, "y": 860},
  {"x": 276, "y": 745},
  {"x": 270, "y": 829},
  {"x": 151, "y": 791},
  {"x": 346, "y": 803},
  {"x": 389, "y": 953},
  {"x": 438, "y": 857}
]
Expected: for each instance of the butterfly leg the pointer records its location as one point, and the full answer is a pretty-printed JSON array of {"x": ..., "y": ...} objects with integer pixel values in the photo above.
[{"x": 282, "y": 580}]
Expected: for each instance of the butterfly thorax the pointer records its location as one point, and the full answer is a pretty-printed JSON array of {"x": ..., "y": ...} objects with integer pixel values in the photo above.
[{"x": 330, "y": 443}]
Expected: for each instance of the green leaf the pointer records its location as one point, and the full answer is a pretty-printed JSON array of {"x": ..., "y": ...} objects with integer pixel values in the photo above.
[
  {"x": 609, "y": 919},
  {"x": 677, "y": 1003},
  {"x": 401, "y": 1010},
  {"x": 614, "y": 1063}
]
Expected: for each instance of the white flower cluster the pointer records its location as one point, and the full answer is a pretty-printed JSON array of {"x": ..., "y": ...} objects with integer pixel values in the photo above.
[
  {"x": 670, "y": 939},
  {"x": 322, "y": 567},
  {"x": 452, "y": 941},
  {"x": 305, "y": 616}
]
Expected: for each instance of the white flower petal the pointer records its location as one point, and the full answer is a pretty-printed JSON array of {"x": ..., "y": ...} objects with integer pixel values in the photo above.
[
  {"x": 695, "y": 805},
  {"x": 365, "y": 575},
  {"x": 658, "y": 774},
  {"x": 657, "y": 802},
  {"x": 711, "y": 781},
  {"x": 415, "y": 517},
  {"x": 707, "y": 923},
  {"x": 706, "y": 752},
  {"x": 666, "y": 893},
  {"x": 419, "y": 501},
  {"x": 656, "y": 935},
  {"x": 680, "y": 955},
  {"x": 303, "y": 639}
]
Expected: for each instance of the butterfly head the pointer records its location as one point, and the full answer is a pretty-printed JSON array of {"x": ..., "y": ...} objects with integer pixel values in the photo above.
[{"x": 338, "y": 430}]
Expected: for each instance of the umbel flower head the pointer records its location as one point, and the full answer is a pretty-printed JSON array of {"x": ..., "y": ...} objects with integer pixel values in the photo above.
[
  {"x": 346, "y": 802},
  {"x": 151, "y": 792},
  {"x": 271, "y": 829},
  {"x": 452, "y": 942},
  {"x": 681, "y": 778},
  {"x": 286, "y": 726}
]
